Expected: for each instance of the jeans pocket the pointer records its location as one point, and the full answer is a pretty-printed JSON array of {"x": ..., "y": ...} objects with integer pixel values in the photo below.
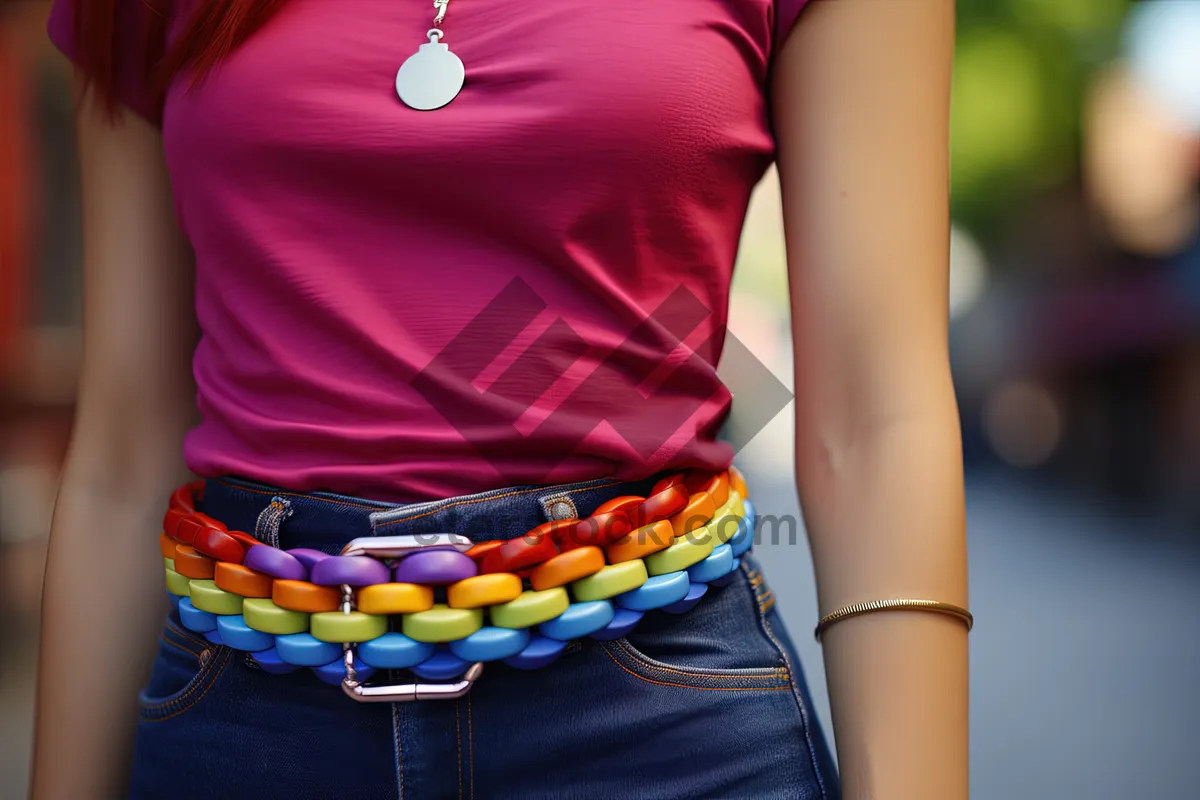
[
  {"x": 186, "y": 667},
  {"x": 722, "y": 643}
]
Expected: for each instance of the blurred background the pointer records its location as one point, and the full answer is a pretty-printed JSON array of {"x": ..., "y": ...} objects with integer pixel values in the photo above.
[{"x": 1075, "y": 304}]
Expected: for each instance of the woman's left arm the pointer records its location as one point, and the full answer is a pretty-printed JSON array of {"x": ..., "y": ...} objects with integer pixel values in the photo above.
[{"x": 860, "y": 99}]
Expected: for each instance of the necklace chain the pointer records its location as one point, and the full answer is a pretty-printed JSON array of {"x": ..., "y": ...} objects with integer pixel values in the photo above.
[{"x": 440, "y": 5}]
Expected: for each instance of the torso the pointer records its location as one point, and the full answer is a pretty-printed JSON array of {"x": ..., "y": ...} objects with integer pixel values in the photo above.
[{"x": 598, "y": 163}]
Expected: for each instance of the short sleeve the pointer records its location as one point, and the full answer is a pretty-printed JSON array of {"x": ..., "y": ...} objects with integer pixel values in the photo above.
[
  {"x": 131, "y": 39},
  {"x": 786, "y": 14}
]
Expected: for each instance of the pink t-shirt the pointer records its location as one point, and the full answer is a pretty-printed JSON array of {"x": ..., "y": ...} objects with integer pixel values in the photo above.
[{"x": 411, "y": 305}]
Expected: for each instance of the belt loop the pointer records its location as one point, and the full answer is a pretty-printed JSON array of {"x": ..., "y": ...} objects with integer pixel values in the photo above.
[{"x": 266, "y": 530}]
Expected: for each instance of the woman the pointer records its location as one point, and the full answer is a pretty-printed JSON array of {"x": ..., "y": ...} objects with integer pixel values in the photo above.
[{"x": 383, "y": 287}]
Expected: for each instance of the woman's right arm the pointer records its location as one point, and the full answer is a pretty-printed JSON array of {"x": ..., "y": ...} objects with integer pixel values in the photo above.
[{"x": 103, "y": 601}]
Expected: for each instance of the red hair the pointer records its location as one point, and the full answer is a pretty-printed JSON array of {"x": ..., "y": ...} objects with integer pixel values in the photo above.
[{"x": 214, "y": 30}]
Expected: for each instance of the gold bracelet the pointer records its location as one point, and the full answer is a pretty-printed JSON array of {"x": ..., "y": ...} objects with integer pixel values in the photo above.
[{"x": 845, "y": 612}]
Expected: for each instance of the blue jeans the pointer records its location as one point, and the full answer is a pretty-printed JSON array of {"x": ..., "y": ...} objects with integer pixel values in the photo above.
[{"x": 707, "y": 704}]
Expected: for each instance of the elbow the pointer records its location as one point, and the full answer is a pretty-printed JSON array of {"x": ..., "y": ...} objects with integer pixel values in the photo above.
[
  {"x": 126, "y": 444},
  {"x": 840, "y": 446}
]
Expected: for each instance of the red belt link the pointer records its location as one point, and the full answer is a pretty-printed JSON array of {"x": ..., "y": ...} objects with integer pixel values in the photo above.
[{"x": 684, "y": 498}]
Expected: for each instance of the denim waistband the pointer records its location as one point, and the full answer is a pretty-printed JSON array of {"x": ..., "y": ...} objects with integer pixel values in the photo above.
[{"x": 324, "y": 521}]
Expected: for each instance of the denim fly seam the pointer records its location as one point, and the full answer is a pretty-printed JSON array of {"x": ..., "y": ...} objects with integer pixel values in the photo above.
[{"x": 402, "y": 729}]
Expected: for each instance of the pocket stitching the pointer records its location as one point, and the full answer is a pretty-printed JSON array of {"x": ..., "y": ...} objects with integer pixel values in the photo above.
[
  {"x": 182, "y": 645},
  {"x": 749, "y": 673},
  {"x": 185, "y": 635},
  {"x": 618, "y": 661},
  {"x": 204, "y": 680},
  {"x": 642, "y": 666},
  {"x": 198, "y": 654}
]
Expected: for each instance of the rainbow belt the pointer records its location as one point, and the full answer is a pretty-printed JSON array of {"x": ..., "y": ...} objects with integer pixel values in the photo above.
[{"x": 441, "y": 605}]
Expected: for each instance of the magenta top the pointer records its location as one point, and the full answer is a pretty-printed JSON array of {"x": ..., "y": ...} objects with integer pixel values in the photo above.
[{"x": 410, "y": 305}]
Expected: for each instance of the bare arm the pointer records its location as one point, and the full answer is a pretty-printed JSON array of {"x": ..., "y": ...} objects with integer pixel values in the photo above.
[
  {"x": 861, "y": 99},
  {"x": 103, "y": 601}
]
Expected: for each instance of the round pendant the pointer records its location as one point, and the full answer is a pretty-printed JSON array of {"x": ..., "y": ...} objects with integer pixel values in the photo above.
[{"x": 431, "y": 77}]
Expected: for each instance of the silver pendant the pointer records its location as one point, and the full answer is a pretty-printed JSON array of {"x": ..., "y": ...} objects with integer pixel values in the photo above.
[{"x": 431, "y": 77}]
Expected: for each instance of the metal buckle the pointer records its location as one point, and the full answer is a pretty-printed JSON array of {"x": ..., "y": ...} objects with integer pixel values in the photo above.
[
  {"x": 383, "y": 547},
  {"x": 407, "y": 692},
  {"x": 400, "y": 546}
]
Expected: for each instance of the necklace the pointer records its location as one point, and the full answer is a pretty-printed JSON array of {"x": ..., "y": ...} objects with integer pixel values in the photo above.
[{"x": 433, "y": 76}]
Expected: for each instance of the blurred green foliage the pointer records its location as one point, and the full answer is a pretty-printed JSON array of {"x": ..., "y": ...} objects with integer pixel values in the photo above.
[{"x": 1021, "y": 74}]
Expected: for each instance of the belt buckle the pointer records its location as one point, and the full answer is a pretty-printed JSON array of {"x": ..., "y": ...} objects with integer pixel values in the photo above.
[
  {"x": 407, "y": 692},
  {"x": 398, "y": 547}
]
